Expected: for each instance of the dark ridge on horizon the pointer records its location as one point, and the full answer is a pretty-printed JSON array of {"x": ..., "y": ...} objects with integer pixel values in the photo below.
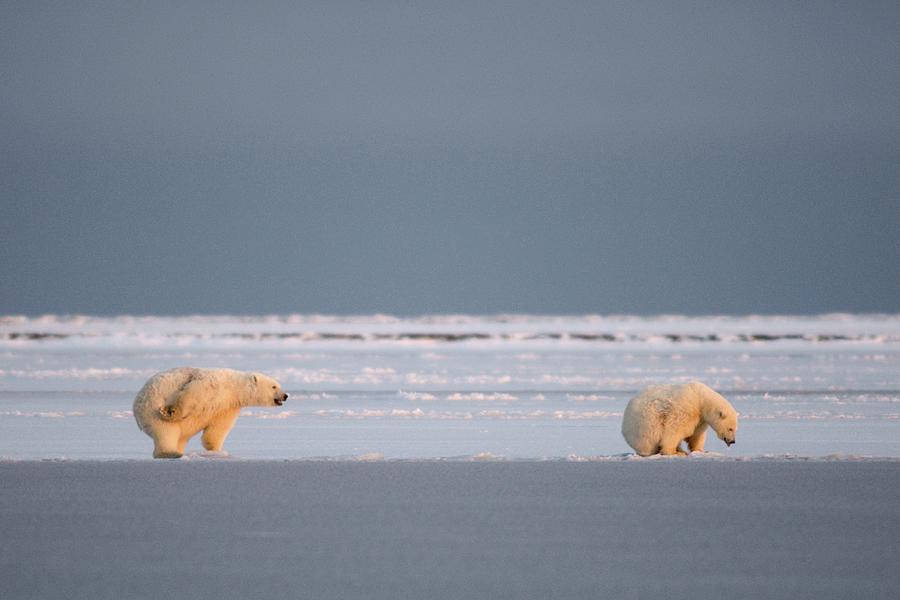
[{"x": 464, "y": 337}]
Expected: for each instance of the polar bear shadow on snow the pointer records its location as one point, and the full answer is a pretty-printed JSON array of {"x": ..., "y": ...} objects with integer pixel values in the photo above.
[
  {"x": 175, "y": 405},
  {"x": 658, "y": 419}
]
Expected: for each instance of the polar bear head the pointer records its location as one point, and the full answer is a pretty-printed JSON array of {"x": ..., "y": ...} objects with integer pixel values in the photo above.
[
  {"x": 716, "y": 410},
  {"x": 725, "y": 422},
  {"x": 267, "y": 391}
]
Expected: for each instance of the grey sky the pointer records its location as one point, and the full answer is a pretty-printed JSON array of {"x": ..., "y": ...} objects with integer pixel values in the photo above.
[{"x": 420, "y": 157}]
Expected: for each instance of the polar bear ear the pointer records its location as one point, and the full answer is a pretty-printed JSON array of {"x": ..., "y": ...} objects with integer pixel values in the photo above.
[
  {"x": 254, "y": 378},
  {"x": 721, "y": 414}
]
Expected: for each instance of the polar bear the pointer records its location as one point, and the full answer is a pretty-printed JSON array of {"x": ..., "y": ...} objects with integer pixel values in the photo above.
[
  {"x": 175, "y": 405},
  {"x": 661, "y": 416}
]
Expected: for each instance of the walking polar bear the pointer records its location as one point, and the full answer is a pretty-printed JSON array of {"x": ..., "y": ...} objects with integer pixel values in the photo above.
[
  {"x": 175, "y": 405},
  {"x": 661, "y": 416}
]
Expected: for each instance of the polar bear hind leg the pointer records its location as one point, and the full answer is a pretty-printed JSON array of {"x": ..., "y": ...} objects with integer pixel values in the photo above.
[
  {"x": 185, "y": 402},
  {"x": 215, "y": 433},
  {"x": 671, "y": 444},
  {"x": 168, "y": 442}
]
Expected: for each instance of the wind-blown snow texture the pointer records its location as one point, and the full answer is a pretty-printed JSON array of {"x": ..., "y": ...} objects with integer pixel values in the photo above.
[{"x": 445, "y": 387}]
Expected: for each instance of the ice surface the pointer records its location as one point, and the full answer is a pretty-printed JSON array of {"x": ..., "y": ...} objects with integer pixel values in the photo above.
[
  {"x": 511, "y": 386},
  {"x": 215, "y": 527}
]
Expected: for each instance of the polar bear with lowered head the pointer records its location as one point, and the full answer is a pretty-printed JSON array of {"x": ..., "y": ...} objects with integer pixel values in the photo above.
[
  {"x": 175, "y": 405},
  {"x": 661, "y": 416}
]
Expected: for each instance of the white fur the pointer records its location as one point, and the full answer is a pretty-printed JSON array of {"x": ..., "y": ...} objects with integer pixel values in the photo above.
[
  {"x": 660, "y": 417},
  {"x": 175, "y": 405}
]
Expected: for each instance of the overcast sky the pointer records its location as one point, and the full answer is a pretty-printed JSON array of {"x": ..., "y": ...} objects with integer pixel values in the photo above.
[{"x": 425, "y": 157}]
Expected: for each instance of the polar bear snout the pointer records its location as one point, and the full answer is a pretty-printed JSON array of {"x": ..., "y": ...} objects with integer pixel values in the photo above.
[{"x": 281, "y": 400}]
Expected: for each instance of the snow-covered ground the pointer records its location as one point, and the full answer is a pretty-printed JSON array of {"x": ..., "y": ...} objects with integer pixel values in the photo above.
[{"x": 456, "y": 387}]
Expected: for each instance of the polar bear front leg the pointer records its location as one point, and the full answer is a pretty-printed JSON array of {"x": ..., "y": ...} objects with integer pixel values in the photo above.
[
  {"x": 215, "y": 433},
  {"x": 697, "y": 440}
]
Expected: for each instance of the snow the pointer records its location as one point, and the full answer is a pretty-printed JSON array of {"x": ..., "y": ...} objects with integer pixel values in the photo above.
[{"x": 520, "y": 387}]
